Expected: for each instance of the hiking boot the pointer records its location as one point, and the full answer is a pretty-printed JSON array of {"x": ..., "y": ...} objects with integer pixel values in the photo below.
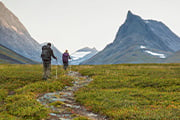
[
  {"x": 44, "y": 78},
  {"x": 49, "y": 77}
]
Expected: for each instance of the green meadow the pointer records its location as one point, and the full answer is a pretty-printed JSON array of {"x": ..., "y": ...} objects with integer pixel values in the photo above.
[
  {"x": 120, "y": 92},
  {"x": 132, "y": 91},
  {"x": 20, "y": 85}
]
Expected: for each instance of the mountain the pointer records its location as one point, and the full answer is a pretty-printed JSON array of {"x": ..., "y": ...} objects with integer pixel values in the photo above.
[
  {"x": 9, "y": 56},
  {"x": 138, "y": 41},
  {"x": 174, "y": 58},
  {"x": 15, "y": 37},
  {"x": 82, "y": 55},
  {"x": 56, "y": 52}
]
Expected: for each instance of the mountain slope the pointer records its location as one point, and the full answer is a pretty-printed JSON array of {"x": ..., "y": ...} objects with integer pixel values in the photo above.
[
  {"x": 175, "y": 58},
  {"x": 14, "y": 35},
  {"x": 138, "y": 41},
  {"x": 9, "y": 56},
  {"x": 82, "y": 54}
]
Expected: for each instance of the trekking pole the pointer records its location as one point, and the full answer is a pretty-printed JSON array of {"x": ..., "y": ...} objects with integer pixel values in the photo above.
[
  {"x": 56, "y": 68},
  {"x": 70, "y": 64}
]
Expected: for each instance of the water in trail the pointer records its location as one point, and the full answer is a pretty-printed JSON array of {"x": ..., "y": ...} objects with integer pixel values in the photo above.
[{"x": 68, "y": 108}]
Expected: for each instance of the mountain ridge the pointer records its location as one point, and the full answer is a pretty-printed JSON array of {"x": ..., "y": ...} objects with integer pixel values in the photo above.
[
  {"x": 82, "y": 55},
  {"x": 11, "y": 21},
  {"x": 14, "y": 35},
  {"x": 132, "y": 34}
]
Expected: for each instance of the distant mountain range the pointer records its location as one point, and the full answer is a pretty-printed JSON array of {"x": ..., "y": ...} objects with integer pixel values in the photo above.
[
  {"x": 82, "y": 55},
  {"x": 137, "y": 41},
  {"x": 140, "y": 41},
  {"x": 15, "y": 37}
]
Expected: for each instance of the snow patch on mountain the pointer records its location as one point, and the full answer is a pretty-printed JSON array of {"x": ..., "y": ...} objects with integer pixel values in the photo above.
[
  {"x": 82, "y": 54},
  {"x": 78, "y": 55},
  {"x": 142, "y": 47},
  {"x": 155, "y": 54}
]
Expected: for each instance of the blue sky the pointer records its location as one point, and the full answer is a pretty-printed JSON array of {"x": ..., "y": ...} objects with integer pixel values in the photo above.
[{"x": 74, "y": 24}]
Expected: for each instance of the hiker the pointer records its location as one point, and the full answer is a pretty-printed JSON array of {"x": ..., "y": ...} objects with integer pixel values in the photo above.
[
  {"x": 65, "y": 58},
  {"x": 46, "y": 55}
]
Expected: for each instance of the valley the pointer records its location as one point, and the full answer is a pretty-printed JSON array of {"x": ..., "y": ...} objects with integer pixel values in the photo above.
[{"x": 122, "y": 91}]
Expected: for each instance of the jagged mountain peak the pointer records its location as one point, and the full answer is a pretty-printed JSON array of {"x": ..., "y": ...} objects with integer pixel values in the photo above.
[
  {"x": 157, "y": 34},
  {"x": 158, "y": 39},
  {"x": 132, "y": 17},
  {"x": 129, "y": 12},
  {"x": 133, "y": 24}
]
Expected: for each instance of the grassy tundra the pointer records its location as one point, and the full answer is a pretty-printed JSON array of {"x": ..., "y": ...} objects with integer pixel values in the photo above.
[
  {"x": 129, "y": 91},
  {"x": 19, "y": 87},
  {"x": 134, "y": 91}
]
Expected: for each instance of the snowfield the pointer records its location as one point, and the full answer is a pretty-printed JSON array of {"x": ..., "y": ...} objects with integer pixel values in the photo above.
[
  {"x": 142, "y": 47},
  {"x": 155, "y": 54},
  {"x": 78, "y": 55}
]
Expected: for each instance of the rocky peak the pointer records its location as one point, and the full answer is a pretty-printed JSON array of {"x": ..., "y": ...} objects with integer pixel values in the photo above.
[
  {"x": 133, "y": 24},
  {"x": 154, "y": 36},
  {"x": 132, "y": 17}
]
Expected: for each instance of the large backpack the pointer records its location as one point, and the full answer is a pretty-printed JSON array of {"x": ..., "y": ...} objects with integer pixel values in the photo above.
[
  {"x": 65, "y": 57},
  {"x": 45, "y": 55}
]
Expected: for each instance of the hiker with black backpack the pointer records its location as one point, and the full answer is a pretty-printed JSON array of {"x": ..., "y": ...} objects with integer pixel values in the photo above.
[
  {"x": 65, "y": 58},
  {"x": 46, "y": 55}
]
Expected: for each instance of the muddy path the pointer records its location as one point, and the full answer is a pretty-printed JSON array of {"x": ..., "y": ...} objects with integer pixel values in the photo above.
[{"x": 66, "y": 108}]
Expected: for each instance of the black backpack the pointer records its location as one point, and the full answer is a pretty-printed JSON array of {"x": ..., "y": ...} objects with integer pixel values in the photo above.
[{"x": 45, "y": 55}]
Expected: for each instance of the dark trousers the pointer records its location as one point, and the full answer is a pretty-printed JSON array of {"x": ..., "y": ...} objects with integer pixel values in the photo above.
[
  {"x": 47, "y": 69},
  {"x": 65, "y": 65}
]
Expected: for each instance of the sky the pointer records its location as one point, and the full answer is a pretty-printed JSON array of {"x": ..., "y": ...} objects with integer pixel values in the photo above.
[{"x": 74, "y": 24}]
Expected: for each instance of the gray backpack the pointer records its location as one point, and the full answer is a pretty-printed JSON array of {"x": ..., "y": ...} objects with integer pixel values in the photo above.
[{"x": 45, "y": 55}]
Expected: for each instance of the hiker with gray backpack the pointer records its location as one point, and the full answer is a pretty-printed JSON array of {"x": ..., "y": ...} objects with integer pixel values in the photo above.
[{"x": 46, "y": 55}]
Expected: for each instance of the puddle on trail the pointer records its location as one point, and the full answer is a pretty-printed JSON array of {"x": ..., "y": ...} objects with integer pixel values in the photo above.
[{"x": 67, "y": 108}]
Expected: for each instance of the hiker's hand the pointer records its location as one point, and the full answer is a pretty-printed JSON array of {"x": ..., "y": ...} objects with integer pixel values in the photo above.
[{"x": 56, "y": 58}]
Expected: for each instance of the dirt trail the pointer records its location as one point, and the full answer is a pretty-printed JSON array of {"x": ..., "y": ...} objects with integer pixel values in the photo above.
[{"x": 69, "y": 108}]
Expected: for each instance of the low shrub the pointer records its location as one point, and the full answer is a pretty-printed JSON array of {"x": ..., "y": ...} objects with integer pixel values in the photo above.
[{"x": 25, "y": 106}]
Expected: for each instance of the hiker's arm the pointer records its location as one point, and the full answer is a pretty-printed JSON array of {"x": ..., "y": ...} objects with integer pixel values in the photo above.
[{"x": 53, "y": 55}]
